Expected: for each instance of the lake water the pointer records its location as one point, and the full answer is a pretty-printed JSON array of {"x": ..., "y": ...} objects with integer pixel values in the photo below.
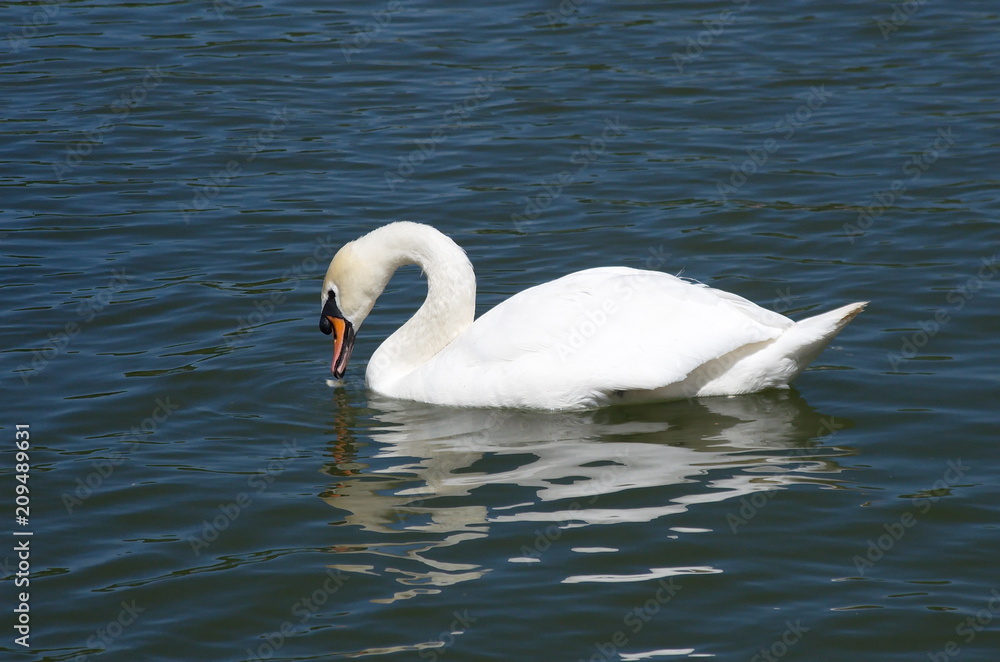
[{"x": 176, "y": 175}]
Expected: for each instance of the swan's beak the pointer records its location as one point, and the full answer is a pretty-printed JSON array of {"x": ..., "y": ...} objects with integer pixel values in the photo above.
[
  {"x": 343, "y": 344},
  {"x": 332, "y": 321}
]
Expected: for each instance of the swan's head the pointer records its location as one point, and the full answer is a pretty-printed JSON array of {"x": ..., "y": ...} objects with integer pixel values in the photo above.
[{"x": 349, "y": 292}]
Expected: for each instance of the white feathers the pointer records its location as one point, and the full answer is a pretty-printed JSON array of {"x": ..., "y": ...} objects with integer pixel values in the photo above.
[{"x": 588, "y": 339}]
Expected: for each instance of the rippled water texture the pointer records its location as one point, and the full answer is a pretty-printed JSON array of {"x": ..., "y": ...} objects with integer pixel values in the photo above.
[{"x": 176, "y": 175}]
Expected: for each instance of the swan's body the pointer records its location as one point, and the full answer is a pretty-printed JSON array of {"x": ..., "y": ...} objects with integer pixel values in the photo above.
[{"x": 592, "y": 338}]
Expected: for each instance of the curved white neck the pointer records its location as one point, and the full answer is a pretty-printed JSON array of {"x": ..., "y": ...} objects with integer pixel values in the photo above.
[{"x": 448, "y": 310}]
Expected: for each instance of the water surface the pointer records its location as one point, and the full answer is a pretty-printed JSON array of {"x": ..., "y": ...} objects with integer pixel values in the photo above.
[{"x": 176, "y": 175}]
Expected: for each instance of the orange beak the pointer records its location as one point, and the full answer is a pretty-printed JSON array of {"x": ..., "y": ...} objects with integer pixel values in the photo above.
[
  {"x": 332, "y": 322},
  {"x": 343, "y": 343}
]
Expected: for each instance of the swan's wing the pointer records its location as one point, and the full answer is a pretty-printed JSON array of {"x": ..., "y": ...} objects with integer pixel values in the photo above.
[{"x": 595, "y": 331}]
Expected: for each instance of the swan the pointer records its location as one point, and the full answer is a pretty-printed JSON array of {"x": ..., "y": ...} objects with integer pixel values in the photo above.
[{"x": 593, "y": 338}]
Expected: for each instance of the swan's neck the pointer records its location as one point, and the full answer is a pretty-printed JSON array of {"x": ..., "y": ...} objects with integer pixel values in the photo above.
[{"x": 448, "y": 310}]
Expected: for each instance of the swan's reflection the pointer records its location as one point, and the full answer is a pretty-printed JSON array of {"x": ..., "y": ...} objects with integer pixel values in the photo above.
[{"x": 429, "y": 462}]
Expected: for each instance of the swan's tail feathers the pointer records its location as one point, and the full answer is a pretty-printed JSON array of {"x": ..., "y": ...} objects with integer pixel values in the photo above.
[{"x": 806, "y": 339}]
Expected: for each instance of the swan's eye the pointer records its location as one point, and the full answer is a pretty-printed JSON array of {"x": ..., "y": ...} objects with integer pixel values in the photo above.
[{"x": 330, "y": 310}]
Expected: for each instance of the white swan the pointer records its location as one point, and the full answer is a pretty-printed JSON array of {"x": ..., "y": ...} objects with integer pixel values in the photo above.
[{"x": 589, "y": 339}]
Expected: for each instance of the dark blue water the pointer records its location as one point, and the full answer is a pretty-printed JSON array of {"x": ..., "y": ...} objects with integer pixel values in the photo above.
[{"x": 176, "y": 176}]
